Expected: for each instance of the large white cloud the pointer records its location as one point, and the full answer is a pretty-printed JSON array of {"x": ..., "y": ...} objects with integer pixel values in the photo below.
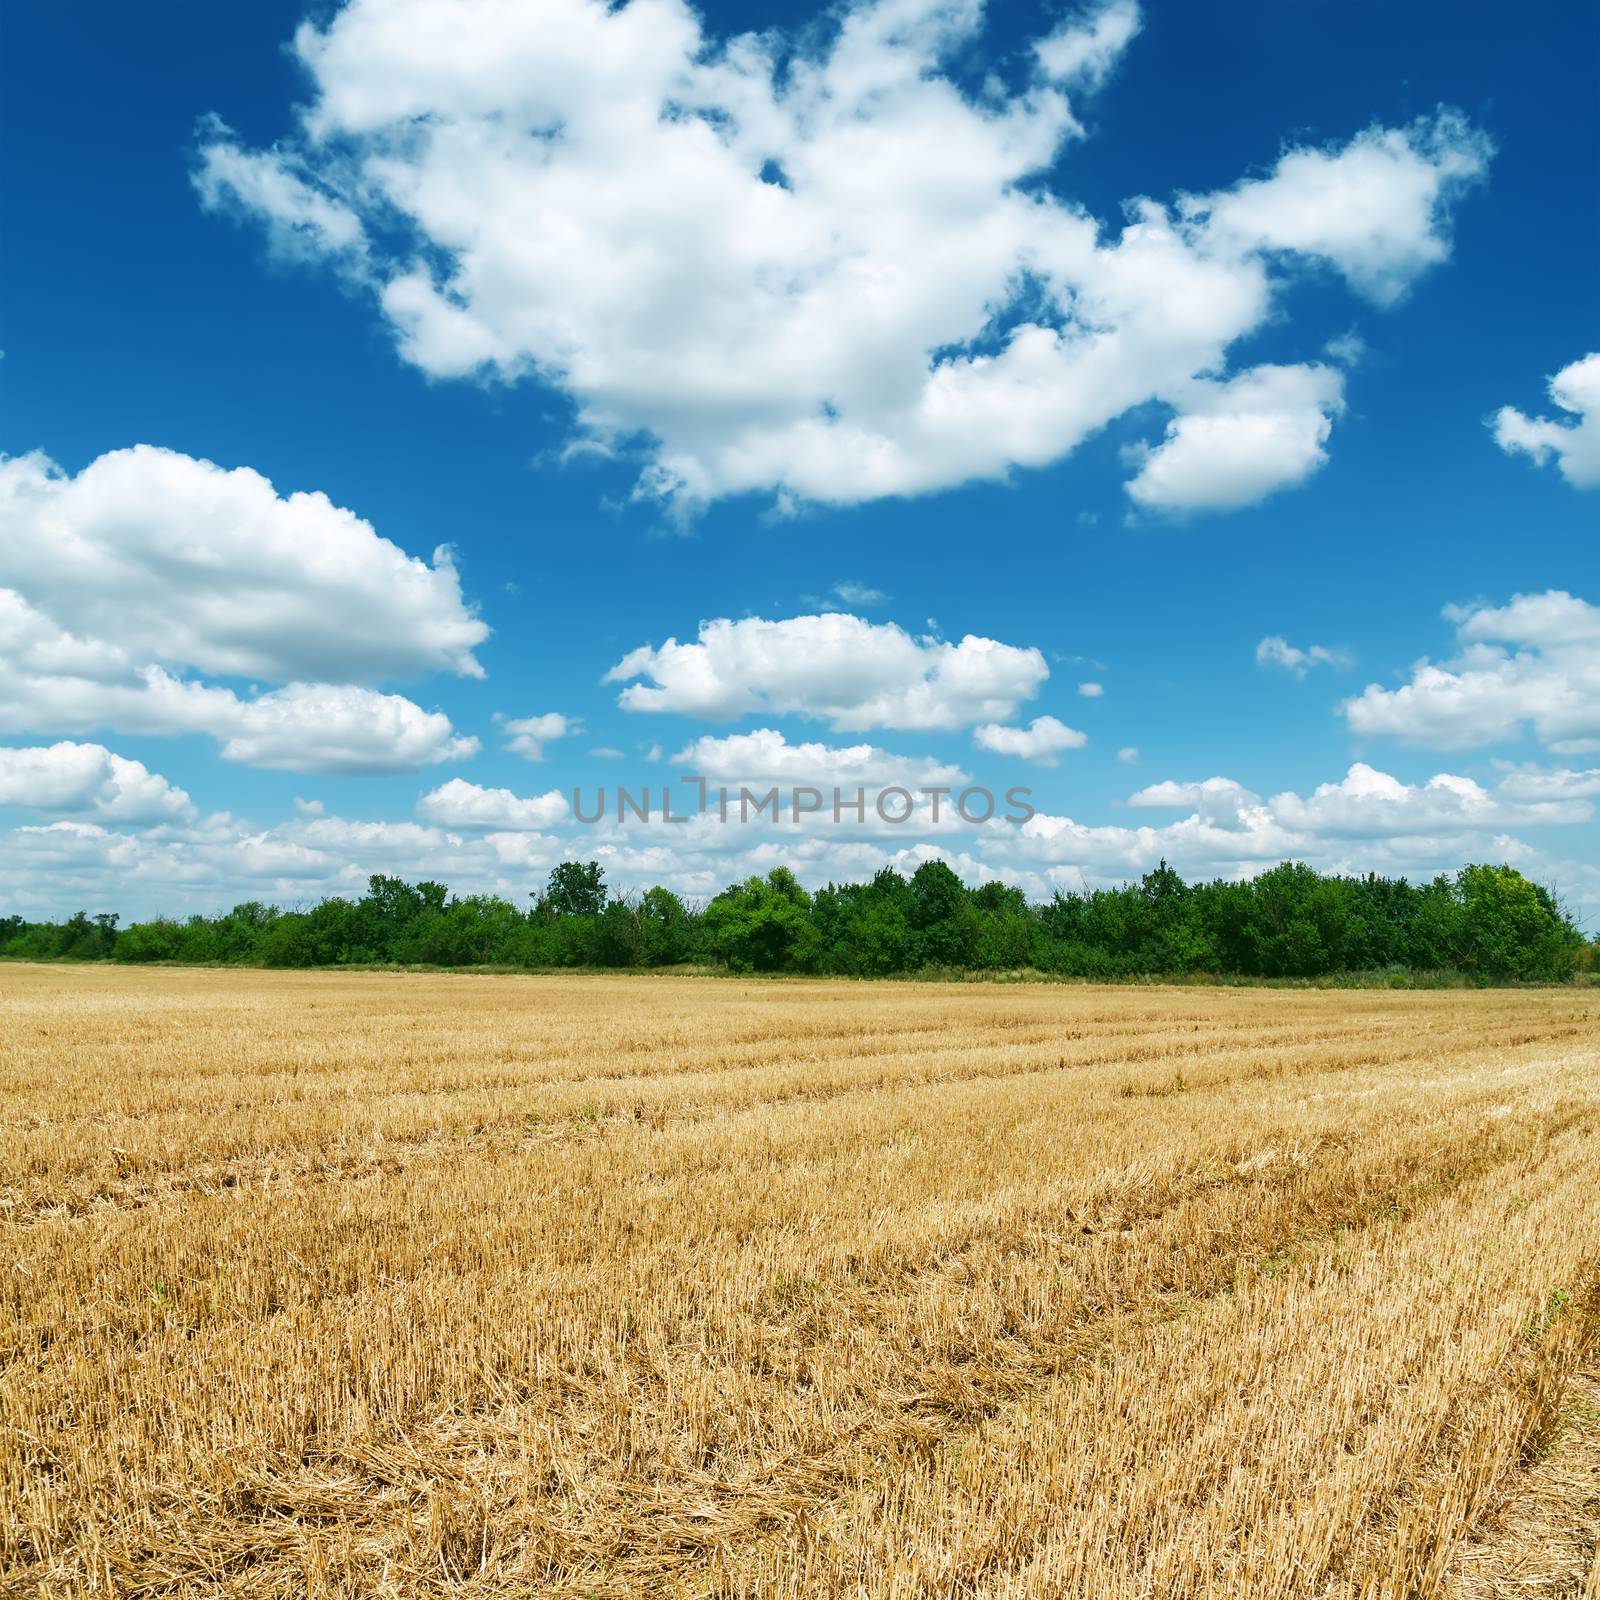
[
  {"x": 855, "y": 674},
  {"x": 178, "y": 562},
  {"x": 87, "y": 780},
  {"x": 811, "y": 263},
  {"x": 1534, "y": 662},
  {"x": 150, "y": 564},
  {"x": 1576, "y": 444}
]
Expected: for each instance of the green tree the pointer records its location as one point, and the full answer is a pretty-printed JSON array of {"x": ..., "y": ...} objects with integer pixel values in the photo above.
[
  {"x": 666, "y": 929},
  {"x": 575, "y": 889},
  {"x": 391, "y": 914},
  {"x": 1511, "y": 928},
  {"x": 761, "y": 925},
  {"x": 878, "y": 936},
  {"x": 160, "y": 940},
  {"x": 943, "y": 916}
]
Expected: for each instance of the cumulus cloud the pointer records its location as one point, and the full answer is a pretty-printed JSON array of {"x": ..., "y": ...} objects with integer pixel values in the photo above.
[
  {"x": 87, "y": 780},
  {"x": 1212, "y": 799},
  {"x": 459, "y": 804},
  {"x": 1235, "y": 443},
  {"x": 302, "y": 727},
  {"x": 764, "y": 756},
  {"x": 853, "y": 673},
  {"x": 816, "y": 264},
  {"x": 1042, "y": 740},
  {"x": 1091, "y": 691},
  {"x": 177, "y": 561},
  {"x": 529, "y": 735},
  {"x": 149, "y": 564},
  {"x": 1129, "y": 755},
  {"x": 1367, "y": 804},
  {"x": 1276, "y": 651},
  {"x": 1575, "y": 444},
  {"x": 332, "y": 727},
  {"x": 1533, "y": 663},
  {"x": 1532, "y": 782}
]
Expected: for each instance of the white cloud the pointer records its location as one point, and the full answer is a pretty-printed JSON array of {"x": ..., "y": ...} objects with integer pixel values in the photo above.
[
  {"x": 1368, "y": 821},
  {"x": 149, "y": 563},
  {"x": 87, "y": 780},
  {"x": 1371, "y": 804},
  {"x": 855, "y": 674},
  {"x": 1084, "y": 51},
  {"x": 529, "y": 735},
  {"x": 1373, "y": 209},
  {"x": 1091, "y": 691},
  {"x": 1042, "y": 740},
  {"x": 332, "y": 727},
  {"x": 1276, "y": 651},
  {"x": 1368, "y": 804},
  {"x": 1575, "y": 444},
  {"x": 56, "y": 682},
  {"x": 1212, "y": 800},
  {"x": 1532, "y": 782},
  {"x": 1347, "y": 349},
  {"x": 811, "y": 264},
  {"x": 303, "y": 222},
  {"x": 459, "y": 804},
  {"x": 1129, "y": 755},
  {"x": 1234, "y": 443},
  {"x": 175, "y": 561},
  {"x": 1533, "y": 662},
  {"x": 301, "y": 727},
  {"x": 764, "y": 756},
  {"x": 851, "y": 593}
]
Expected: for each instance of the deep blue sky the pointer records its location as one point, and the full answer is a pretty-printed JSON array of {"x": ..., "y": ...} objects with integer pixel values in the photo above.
[{"x": 133, "y": 315}]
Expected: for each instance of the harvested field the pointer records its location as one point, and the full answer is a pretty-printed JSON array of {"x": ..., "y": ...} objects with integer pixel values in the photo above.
[{"x": 390, "y": 1284}]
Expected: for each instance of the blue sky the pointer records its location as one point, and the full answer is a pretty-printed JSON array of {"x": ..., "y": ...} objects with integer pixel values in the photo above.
[{"x": 520, "y": 289}]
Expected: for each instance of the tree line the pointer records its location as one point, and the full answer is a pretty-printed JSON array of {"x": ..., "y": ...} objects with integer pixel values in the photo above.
[{"x": 1484, "y": 923}]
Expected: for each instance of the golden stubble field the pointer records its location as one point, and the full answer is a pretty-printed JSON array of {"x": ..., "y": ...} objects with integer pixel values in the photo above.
[{"x": 391, "y": 1284}]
